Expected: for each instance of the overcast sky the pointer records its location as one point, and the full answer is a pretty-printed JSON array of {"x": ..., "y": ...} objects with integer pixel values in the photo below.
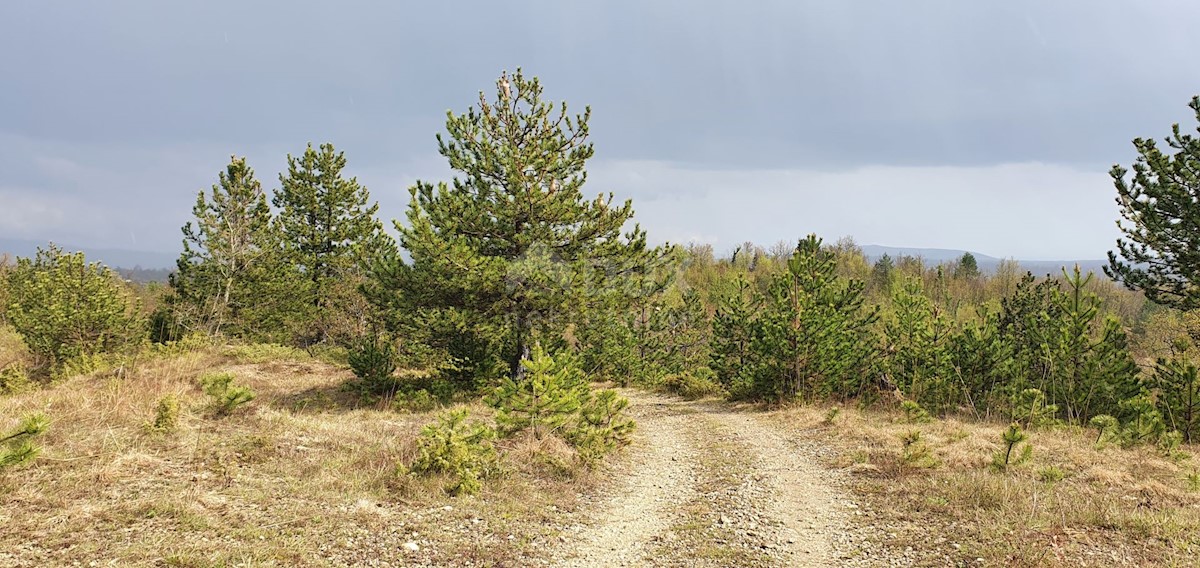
[{"x": 987, "y": 126}]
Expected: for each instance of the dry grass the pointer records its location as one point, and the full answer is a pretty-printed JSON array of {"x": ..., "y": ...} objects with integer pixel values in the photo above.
[
  {"x": 1113, "y": 506},
  {"x": 301, "y": 476}
]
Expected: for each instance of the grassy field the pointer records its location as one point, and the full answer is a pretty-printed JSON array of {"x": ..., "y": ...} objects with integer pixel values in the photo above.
[
  {"x": 306, "y": 475},
  {"x": 1072, "y": 504},
  {"x": 301, "y": 476}
]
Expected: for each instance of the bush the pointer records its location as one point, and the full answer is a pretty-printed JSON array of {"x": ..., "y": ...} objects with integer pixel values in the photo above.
[
  {"x": 65, "y": 308},
  {"x": 226, "y": 396},
  {"x": 14, "y": 379},
  {"x": 166, "y": 414},
  {"x": 16, "y": 447},
  {"x": 373, "y": 361},
  {"x": 1051, "y": 474},
  {"x": 914, "y": 452},
  {"x": 1030, "y": 408},
  {"x": 693, "y": 385},
  {"x": 461, "y": 450},
  {"x": 914, "y": 414},
  {"x": 553, "y": 399},
  {"x": 546, "y": 400},
  {"x": 601, "y": 427}
]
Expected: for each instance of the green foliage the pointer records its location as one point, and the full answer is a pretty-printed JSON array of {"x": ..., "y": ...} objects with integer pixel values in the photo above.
[
  {"x": 226, "y": 396},
  {"x": 1160, "y": 212},
  {"x": 1176, "y": 384},
  {"x": 1107, "y": 428},
  {"x": 813, "y": 336},
  {"x": 693, "y": 385},
  {"x": 1192, "y": 480},
  {"x": 329, "y": 234},
  {"x": 733, "y": 327},
  {"x": 1011, "y": 438},
  {"x": 1029, "y": 407},
  {"x": 914, "y": 452},
  {"x": 1051, "y": 474},
  {"x": 1089, "y": 373},
  {"x": 546, "y": 400},
  {"x": 1141, "y": 422},
  {"x": 373, "y": 361},
  {"x": 16, "y": 446},
  {"x": 228, "y": 278},
  {"x": 831, "y": 416},
  {"x": 14, "y": 379},
  {"x": 601, "y": 427},
  {"x": 462, "y": 450},
  {"x": 967, "y": 268},
  {"x": 553, "y": 399},
  {"x": 66, "y": 309},
  {"x": 914, "y": 414},
  {"x": 919, "y": 349},
  {"x": 166, "y": 414},
  {"x": 512, "y": 250}
]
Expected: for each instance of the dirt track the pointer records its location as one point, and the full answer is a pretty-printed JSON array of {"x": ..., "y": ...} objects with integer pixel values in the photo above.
[{"x": 710, "y": 486}]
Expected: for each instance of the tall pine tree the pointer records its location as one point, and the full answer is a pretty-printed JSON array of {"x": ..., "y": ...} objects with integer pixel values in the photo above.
[
  {"x": 329, "y": 232},
  {"x": 512, "y": 250},
  {"x": 222, "y": 252},
  {"x": 1160, "y": 208}
]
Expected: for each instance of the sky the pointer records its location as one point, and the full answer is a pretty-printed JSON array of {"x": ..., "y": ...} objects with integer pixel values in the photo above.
[{"x": 984, "y": 126}]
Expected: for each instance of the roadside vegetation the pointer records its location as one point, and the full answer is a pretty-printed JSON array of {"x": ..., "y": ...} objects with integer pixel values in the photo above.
[{"x": 301, "y": 357}]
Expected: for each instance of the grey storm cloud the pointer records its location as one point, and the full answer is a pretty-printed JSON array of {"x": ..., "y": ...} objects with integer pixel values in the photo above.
[{"x": 116, "y": 113}]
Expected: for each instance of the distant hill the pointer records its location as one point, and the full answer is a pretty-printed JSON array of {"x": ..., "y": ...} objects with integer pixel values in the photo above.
[
  {"x": 145, "y": 261},
  {"x": 986, "y": 263}
]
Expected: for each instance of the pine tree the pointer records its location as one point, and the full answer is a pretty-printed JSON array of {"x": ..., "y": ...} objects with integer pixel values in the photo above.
[
  {"x": 224, "y": 250},
  {"x": 16, "y": 446},
  {"x": 1160, "y": 208},
  {"x": 813, "y": 336},
  {"x": 968, "y": 267},
  {"x": 545, "y": 400},
  {"x": 328, "y": 229},
  {"x": 919, "y": 341},
  {"x": 732, "y": 334},
  {"x": 512, "y": 248},
  {"x": 1176, "y": 384},
  {"x": 65, "y": 308}
]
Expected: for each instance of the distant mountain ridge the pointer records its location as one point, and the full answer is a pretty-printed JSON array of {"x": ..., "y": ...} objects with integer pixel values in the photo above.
[
  {"x": 986, "y": 263},
  {"x": 115, "y": 258}
]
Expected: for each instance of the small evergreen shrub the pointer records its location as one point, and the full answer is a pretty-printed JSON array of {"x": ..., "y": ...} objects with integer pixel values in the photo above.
[
  {"x": 226, "y": 396},
  {"x": 16, "y": 446},
  {"x": 601, "y": 427},
  {"x": 1141, "y": 422},
  {"x": 65, "y": 308},
  {"x": 1193, "y": 480},
  {"x": 554, "y": 399},
  {"x": 14, "y": 379},
  {"x": 831, "y": 416},
  {"x": 461, "y": 450},
  {"x": 1108, "y": 429},
  {"x": 166, "y": 414},
  {"x": 1009, "y": 456},
  {"x": 693, "y": 385},
  {"x": 914, "y": 414},
  {"x": 546, "y": 400},
  {"x": 373, "y": 361},
  {"x": 915, "y": 453},
  {"x": 1030, "y": 409},
  {"x": 1051, "y": 474},
  {"x": 418, "y": 400}
]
